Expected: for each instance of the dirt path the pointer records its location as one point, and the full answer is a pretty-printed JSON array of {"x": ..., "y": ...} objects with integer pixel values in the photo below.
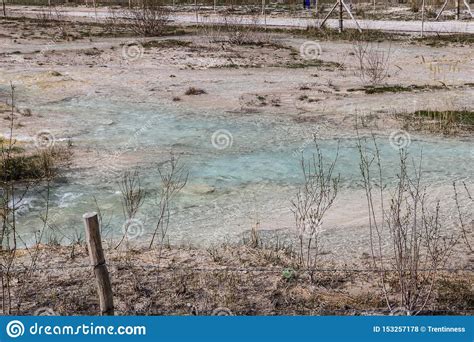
[{"x": 190, "y": 18}]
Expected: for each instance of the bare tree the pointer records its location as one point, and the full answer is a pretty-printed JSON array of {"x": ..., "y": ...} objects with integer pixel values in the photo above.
[{"x": 313, "y": 200}]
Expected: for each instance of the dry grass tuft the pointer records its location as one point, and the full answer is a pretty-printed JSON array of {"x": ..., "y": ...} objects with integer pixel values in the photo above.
[{"x": 194, "y": 91}]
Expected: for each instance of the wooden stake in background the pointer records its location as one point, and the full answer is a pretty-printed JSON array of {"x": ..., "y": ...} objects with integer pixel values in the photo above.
[
  {"x": 96, "y": 253},
  {"x": 342, "y": 5}
]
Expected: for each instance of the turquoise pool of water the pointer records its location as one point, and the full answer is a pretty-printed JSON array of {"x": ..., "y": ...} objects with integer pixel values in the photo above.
[{"x": 229, "y": 189}]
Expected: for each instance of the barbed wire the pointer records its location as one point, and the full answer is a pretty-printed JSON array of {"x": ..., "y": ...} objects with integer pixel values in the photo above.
[
  {"x": 300, "y": 311},
  {"x": 192, "y": 311},
  {"x": 274, "y": 269}
]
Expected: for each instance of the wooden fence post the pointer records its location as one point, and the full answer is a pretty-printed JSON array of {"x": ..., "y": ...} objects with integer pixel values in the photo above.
[
  {"x": 341, "y": 21},
  {"x": 96, "y": 253}
]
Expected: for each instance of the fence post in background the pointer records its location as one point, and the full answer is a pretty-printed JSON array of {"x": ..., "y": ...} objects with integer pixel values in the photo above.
[
  {"x": 196, "y": 9},
  {"x": 458, "y": 9},
  {"x": 4, "y": 8},
  {"x": 96, "y": 254},
  {"x": 341, "y": 21},
  {"x": 95, "y": 9},
  {"x": 422, "y": 18},
  {"x": 265, "y": 13}
]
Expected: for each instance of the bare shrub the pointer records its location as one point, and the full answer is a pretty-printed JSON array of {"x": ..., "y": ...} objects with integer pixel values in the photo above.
[
  {"x": 173, "y": 179},
  {"x": 44, "y": 15},
  {"x": 21, "y": 173},
  {"x": 407, "y": 240},
  {"x": 313, "y": 200},
  {"x": 55, "y": 15},
  {"x": 213, "y": 32},
  {"x": 149, "y": 18},
  {"x": 373, "y": 62},
  {"x": 113, "y": 20},
  {"x": 133, "y": 196},
  {"x": 464, "y": 210},
  {"x": 237, "y": 30}
]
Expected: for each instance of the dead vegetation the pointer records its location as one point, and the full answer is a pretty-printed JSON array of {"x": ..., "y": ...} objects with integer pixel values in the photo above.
[
  {"x": 420, "y": 237},
  {"x": 449, "y": 122},
  {"x": 235, "y": 30},
  {"x": 147, "y": 18},
  {"x": 373, "y": 62},
  {"x": 190, "y": 282},
  {"x": 313, "y": 200},
  {"x": 194, "y": 91},
  {"x": 23, "y": 171}
]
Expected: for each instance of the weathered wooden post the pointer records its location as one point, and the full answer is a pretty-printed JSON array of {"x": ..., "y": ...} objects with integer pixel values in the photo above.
[
  {"x": 341, "y": 21},
  {"x": 96, "y": 254},
  {"x": 422, "y": 18},
  {"x": 196, "y": 9},
  {"x": 95, "y": 9}
]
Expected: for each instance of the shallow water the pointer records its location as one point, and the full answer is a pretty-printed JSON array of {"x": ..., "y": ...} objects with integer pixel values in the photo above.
[{"x": 229, "y": 189}]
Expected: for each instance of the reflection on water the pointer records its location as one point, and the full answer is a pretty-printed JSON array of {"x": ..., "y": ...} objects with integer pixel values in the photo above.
[{"x": 229, "y": 189}]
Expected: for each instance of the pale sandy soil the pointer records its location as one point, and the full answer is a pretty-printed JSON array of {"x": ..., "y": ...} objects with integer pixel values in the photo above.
[
  {"x": 237, "y": 280},
  {"x": 273, "y": 79},
  {"x": 66, "y": 69}
]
